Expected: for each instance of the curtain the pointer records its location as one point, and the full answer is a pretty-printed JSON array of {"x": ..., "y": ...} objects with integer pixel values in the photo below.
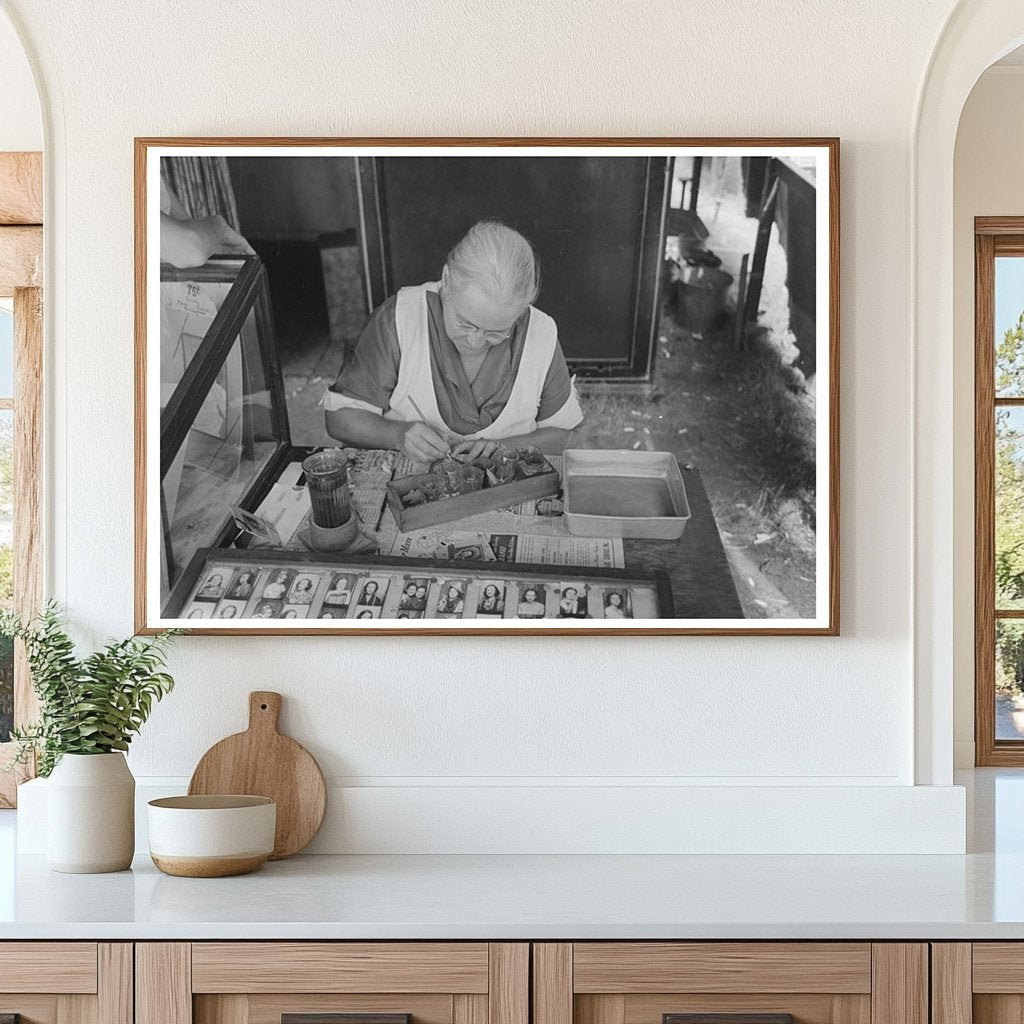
[{"x": 203, "y": 184}]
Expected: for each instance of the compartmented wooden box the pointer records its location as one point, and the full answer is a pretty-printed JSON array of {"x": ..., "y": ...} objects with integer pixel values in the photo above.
[{"x": 490, "y": 497}]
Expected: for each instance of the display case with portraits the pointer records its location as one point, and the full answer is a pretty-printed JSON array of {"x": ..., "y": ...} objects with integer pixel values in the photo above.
[{"x": 311, "y": 592}]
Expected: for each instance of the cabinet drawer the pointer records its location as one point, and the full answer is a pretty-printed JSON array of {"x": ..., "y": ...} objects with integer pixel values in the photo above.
[
  {"x": 66, "y": 982},
  {"x": 340, "y": 967},
  {"x": 332, "y": 983},
  {"x": 730, "y": 983},
  {"x": 64, "y": 967},
  {"x": 634, "y": 967},
  {"x": 998, "y": 967}
]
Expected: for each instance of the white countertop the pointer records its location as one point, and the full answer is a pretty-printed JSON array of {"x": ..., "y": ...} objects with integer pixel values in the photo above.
[
  {"x": 496, "y": 897},
  {"x": 980, "y": 895}
]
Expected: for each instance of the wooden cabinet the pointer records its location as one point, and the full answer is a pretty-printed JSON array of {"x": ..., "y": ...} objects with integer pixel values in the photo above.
[
  {"x": 758, "y": 982},
  {"x": 66, "y": 982},
  {"x": 306, "y": 982},
  {"x": 978, "y": 983},
  {"x": 499, "y": 983}
]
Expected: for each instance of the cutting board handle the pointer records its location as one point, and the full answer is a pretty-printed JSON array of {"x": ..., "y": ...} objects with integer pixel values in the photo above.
[{"x": 264, "y": 710}]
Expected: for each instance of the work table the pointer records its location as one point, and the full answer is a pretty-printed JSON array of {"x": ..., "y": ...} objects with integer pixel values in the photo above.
[{"x": 540, "y": 897}]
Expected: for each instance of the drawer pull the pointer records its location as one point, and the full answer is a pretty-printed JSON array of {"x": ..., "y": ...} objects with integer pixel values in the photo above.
[
  {"x": 339, "y": 1018},
  {"x": 726, "y": 1018}
]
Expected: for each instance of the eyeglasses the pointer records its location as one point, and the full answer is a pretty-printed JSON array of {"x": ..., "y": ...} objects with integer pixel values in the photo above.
[{"x": 468, "y": 329}]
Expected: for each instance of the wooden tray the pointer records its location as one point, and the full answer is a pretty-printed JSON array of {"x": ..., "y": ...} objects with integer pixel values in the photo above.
[{"x": 489, "y": 498}]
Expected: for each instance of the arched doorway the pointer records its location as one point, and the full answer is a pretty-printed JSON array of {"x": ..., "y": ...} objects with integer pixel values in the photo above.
[{"x": 977, "y": 33}]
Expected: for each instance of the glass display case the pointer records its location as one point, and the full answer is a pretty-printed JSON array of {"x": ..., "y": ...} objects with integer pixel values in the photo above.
[{"x": 224, "y": 435}]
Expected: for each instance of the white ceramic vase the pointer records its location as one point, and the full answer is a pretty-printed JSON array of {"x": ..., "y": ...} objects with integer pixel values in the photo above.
[{"x": 90, "y": 814}]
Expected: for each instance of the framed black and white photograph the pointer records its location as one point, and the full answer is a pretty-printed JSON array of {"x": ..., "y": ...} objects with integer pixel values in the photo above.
[{"x": 474, "y": 385}]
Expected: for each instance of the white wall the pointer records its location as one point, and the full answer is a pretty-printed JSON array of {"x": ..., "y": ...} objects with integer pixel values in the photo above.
[
  {"x": 462, "y": 711},
  {"x": 21, "y": 126},
  {"x": 988, "y": 180}
]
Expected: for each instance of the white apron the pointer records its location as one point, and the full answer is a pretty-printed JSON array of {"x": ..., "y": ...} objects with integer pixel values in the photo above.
[{"x": 416, "y": 382}]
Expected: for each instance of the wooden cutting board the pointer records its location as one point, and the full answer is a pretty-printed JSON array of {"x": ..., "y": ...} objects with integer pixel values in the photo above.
[{"x": 262, "y": 762}]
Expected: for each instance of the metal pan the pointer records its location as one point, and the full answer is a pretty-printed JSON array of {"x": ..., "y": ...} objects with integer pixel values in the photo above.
[{"x": 624, "y": 494}]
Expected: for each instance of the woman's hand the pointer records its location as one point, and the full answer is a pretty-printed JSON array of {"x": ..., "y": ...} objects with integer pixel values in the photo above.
[
  {"x": 475, "y": 449},
  {"x": 218, "y": 236},
  {"x": 190, "y": 243},
  {"x": 364, "y": 429},
  {"x": 422, "y": 443}
]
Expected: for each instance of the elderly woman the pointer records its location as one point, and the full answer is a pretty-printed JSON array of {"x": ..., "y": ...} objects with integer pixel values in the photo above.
[{"x": 458, "y": 365}]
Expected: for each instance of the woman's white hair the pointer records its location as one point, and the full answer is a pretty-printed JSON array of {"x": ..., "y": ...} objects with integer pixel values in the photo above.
[{"x": 499, "y": 261}]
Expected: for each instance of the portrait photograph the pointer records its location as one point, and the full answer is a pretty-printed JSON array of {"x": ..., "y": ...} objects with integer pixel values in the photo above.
[
  {"x": 572, "y": 601},
  {"x": 532, "y": 601},
  {"x": 214, "y": 586},
  {"x": 339, "y": 593},
  {"x": 452, "y": 601},
  {"x": 242, "y": 585},
  {"x": 373, "y": 593},
  {"x": 414, "y": 595},
  {"x": 303, "y": 590},
  {"x": 491, "y": 601},
  {"x": 406, "y": 359},
  {"x": 617, "y": 604},
  {"x": 277, "y": 585}
]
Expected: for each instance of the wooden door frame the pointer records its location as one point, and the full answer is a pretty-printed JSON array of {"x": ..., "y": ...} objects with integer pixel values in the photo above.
[
  {"x": 638, "y": 364},
  {"x": 21, "y": 278}
]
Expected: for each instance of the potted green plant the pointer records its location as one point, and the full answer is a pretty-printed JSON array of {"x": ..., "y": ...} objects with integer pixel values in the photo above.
[{"x": 90, "y": 708}]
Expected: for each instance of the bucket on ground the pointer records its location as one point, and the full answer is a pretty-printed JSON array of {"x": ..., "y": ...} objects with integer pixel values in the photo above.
[{"x": 701, "y": 297}]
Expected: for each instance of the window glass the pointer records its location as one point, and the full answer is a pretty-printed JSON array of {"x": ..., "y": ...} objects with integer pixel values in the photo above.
[
  {"x": 1009, "y": 327},
  {"x": 6, "y": 352},
  {"x": 228, "y": 445},
  {"x": 1009, "y": 495},
  {"x": 1009, "y": 679},
  {"x": 1009, "y": 511}
]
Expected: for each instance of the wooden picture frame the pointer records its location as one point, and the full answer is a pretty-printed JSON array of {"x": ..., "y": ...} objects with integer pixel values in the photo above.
[{"x": 384, "y": 167}]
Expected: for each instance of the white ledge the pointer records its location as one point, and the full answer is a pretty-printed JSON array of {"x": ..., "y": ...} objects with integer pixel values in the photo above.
[{"x": 449, "y": 817}]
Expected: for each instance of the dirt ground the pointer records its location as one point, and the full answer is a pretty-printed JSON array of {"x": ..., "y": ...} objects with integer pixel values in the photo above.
[{"x": 707, "y": 405}]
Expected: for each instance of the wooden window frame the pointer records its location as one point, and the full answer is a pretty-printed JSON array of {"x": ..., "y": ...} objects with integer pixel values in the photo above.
[
  {"x": 993, "y": 237},
  {"x": 21, "y": 278}
]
